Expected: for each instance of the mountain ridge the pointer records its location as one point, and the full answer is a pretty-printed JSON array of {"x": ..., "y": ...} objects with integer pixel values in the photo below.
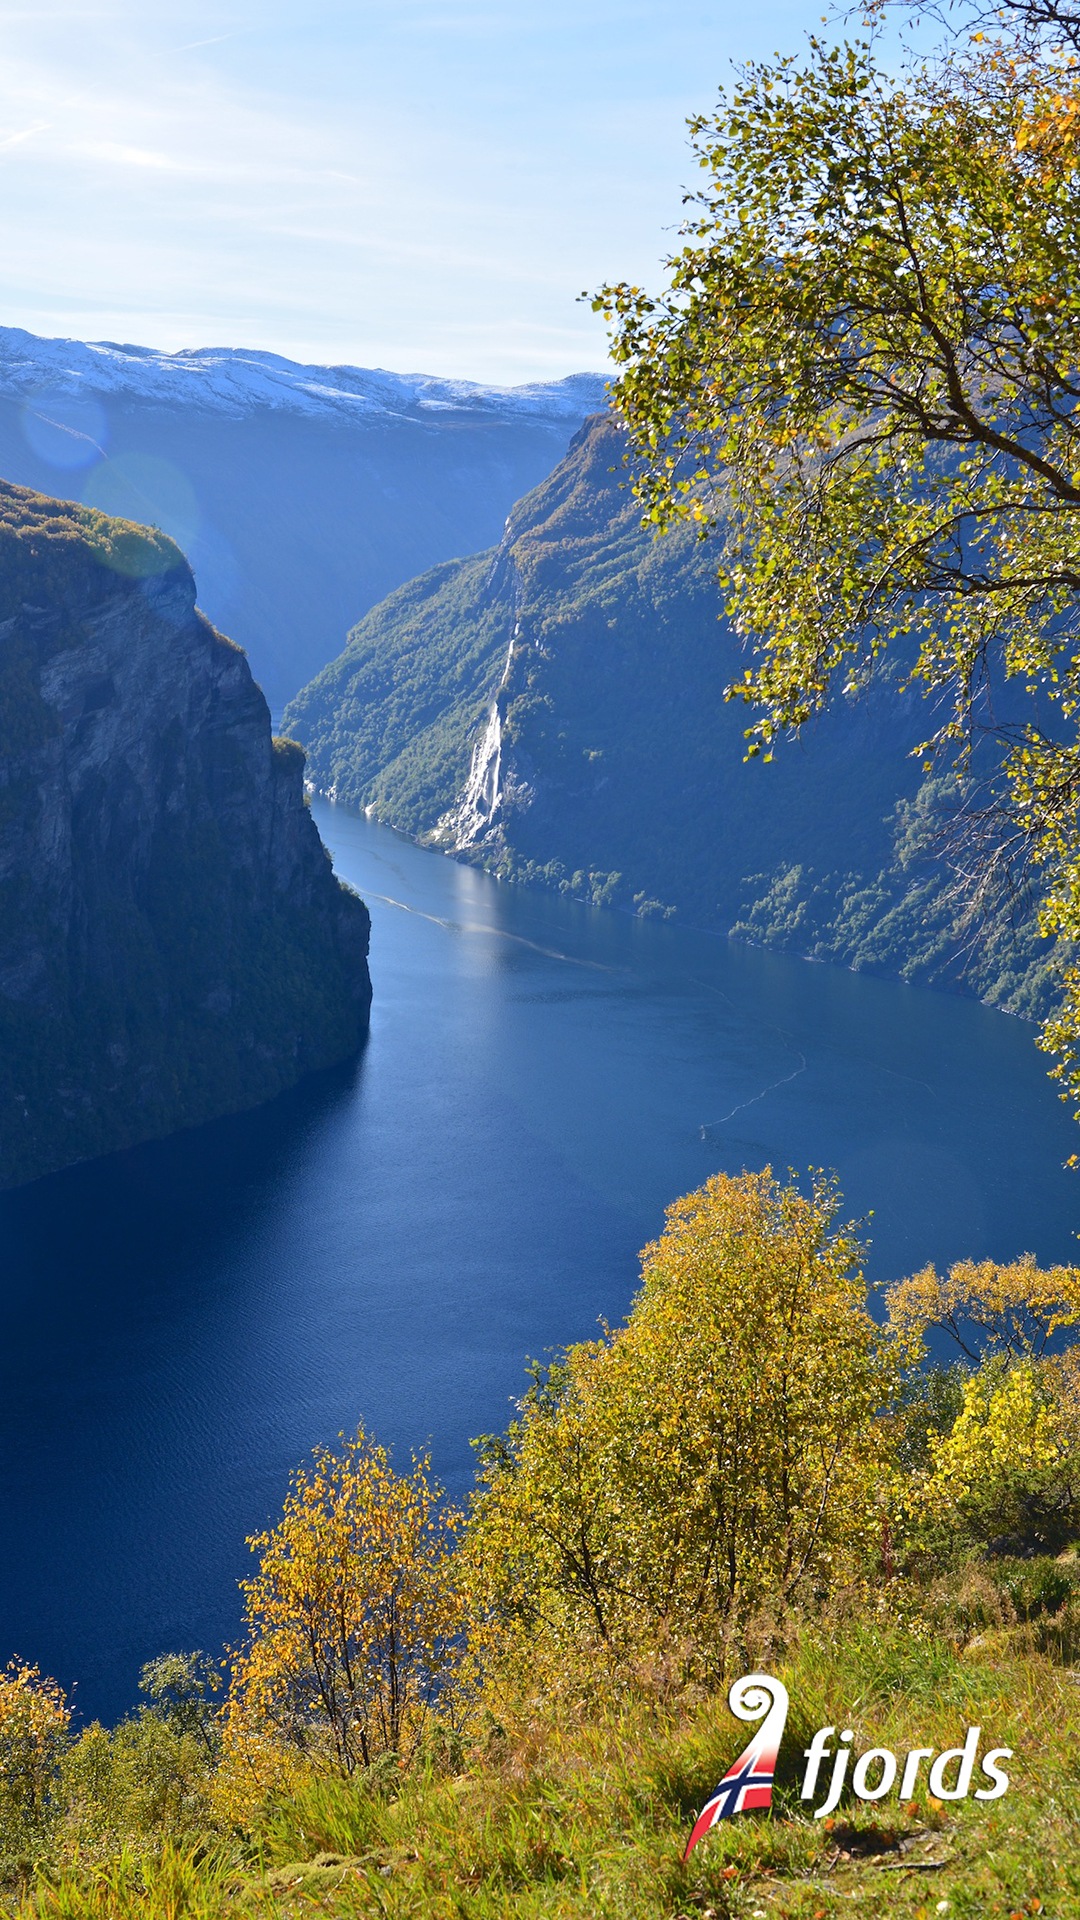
[
  {"x": 237, "y": 379},
  {"x": 300, "y": 495}
]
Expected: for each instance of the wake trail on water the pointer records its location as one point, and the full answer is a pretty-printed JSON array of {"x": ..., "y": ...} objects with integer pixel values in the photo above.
[
  {"x": 785, "y": 1078},
  {"x": 710, "y": 987},
  {"x": 708, "y": 1125},
  {"x": 497, "y": 933}
]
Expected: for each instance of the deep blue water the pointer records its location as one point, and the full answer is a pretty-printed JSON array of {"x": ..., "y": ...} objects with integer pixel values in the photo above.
[{"x": 182, "y": 1323}]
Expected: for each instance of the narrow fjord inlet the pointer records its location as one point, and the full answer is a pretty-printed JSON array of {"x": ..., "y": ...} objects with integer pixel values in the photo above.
[{"x": 186, "y": 1320}]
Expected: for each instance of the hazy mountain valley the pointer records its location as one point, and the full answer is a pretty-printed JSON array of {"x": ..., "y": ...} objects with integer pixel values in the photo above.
[
  {"x": 550, "y": 706},
  {"x": 553, "y": 710},
  {"x": 300, "y": 495}
]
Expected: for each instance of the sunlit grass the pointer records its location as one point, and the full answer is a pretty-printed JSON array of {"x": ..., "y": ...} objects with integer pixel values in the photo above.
[{"x": 587, "y": 1813}]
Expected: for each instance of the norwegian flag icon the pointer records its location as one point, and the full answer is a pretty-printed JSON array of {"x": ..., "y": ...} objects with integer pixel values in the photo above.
[{"x": 748, "y": 1782}]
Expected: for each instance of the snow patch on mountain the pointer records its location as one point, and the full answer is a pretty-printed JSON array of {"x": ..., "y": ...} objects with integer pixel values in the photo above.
[{"x": 239, "y": 380}]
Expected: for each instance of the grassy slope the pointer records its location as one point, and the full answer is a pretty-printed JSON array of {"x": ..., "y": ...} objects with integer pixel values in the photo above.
[
  {"x": 566, "y": 1813},
  {"x": 613, "y": 715}
]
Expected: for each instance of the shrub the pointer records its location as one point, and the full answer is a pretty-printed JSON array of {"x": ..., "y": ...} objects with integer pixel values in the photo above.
[
  {"x": 1034, "y": 1587},
  {"x": 141, "y": 1779},
  {"x": 722, "y": 1447},
  {"x": 34, "y": 1723},
  {"x": 1008, "y": 1474}
]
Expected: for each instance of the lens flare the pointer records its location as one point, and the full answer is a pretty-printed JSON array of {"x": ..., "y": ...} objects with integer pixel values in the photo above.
[
  {"x": 151, "y": 491},
  {"x": 64, "y": 427}
]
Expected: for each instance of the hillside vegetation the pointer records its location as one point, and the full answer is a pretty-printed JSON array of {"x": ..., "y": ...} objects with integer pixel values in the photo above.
[
  {"x": 520, "y": 1711},
  {"x": 614, "y": 769}
]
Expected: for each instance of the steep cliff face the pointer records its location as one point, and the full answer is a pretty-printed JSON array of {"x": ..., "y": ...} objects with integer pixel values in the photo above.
[
  {"x": 173, "y": 942},
  {"x": 556, "y": 708}
]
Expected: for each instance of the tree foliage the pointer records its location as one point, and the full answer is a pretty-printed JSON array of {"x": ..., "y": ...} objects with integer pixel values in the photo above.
[
  {"x": 34, "y": 1721},
  {"x": 1008, "y": 1472},
  {"x": 721, "y": 1446},
  {"x": 1009, "y": 1311},
  {"x": 354, "y": 1615},
  {"x": 140, "y": 1777},
  {"x": 747, "y": 1465},
  {"x": 867, "y": 365},
  {"x": 181, "y": 1688},
  {"x": 1004, "y": 1465}
]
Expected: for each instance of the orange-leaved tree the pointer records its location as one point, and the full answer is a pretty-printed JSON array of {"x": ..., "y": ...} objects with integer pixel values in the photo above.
[
  {"x": 355, "y": 1616},
  {"x": 34, "y": 1722}
]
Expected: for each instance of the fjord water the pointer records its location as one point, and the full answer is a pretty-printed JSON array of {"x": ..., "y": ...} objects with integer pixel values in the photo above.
[{"x": 183, "y": 1322}]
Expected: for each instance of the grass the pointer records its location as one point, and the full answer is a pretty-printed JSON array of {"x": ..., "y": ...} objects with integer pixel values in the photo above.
[{"x": 564, "y": 1813}]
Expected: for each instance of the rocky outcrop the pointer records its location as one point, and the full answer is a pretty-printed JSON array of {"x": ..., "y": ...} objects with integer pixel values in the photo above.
[{"x": 173, "y": 942}]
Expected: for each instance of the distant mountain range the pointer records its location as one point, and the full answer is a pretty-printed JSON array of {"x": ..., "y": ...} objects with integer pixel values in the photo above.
[
  {"x": 301, "y": 494},
  {"x": 553, "y": 710},
  {"x": 239, "y": 380}
]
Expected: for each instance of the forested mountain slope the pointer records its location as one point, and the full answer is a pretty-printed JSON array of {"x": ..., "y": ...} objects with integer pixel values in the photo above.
[{"x": 554, "y": 709}]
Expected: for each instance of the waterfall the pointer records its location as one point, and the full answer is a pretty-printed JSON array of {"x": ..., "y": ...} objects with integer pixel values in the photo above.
[{"x": 473, "y": 812}]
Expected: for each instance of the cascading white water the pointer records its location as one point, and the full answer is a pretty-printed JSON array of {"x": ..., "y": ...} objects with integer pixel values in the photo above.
[{"x": 474, "y": 810}]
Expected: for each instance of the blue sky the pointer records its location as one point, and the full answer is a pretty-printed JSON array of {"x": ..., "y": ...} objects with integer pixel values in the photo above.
[{"x": 423, "y": 185}]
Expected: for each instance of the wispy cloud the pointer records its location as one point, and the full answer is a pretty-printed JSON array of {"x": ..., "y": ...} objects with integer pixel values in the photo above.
[
  {"x": 427, "y": 184},
  {"x": 215, "y": 40},
  {"x": 132, "y": 156},
  {"x": 15, "y": 139}
]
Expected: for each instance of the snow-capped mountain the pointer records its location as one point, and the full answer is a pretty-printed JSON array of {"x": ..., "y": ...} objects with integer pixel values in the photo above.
[
  {"x": 238, "y": 380},
  {"x": 301, "y": 494}
]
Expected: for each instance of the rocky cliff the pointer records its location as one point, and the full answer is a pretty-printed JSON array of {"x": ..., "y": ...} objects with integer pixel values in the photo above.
[
  {"x": 555, "y": 708},
  {"x": 173, "y": 942}
]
